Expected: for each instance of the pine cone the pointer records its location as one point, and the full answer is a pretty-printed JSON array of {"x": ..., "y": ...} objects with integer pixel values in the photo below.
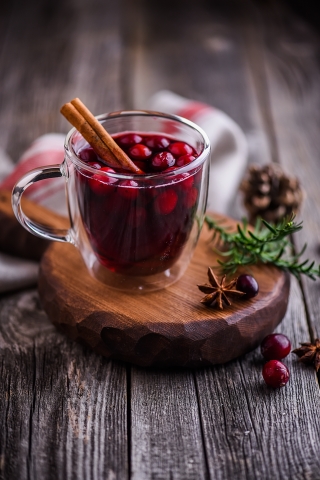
[{"x": 270, "y": 194}]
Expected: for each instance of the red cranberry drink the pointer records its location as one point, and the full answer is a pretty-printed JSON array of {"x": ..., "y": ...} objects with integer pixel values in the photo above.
[
  {"x": 135, "y": 224},
  {"x": 140, "y": 227}
]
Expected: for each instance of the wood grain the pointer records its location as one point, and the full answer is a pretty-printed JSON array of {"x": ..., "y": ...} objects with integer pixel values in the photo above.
[
  {"x": 274, "y": 429},
  {"x": 162, "y": 448},
  {"x": 59, "y": 402},
  {"x": 63, "y": 409},
  {"x": 234, "y": 404},
  {"x": 169, "y": 327},
  {"x": 220, "y": 422},
  {"x": 293, "y": 68}
]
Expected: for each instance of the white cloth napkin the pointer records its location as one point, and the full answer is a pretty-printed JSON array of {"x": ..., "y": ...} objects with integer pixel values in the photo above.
[
  {"x": 18, "y": 273},
  {"x": 229, "y": 150},
  {"x": 228, "y": 162}
]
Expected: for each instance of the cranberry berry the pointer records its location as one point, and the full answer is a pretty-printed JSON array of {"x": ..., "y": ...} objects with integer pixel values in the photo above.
[
  {"x": 187, "y": 181},
  {"x": 180, "y": 148},
  {"x": 128, "y": 140},
  {"x": 275, "y": 346},
  {"x": 191, "y": 197},
  {"x": 156, "y": 142},
  {"x": 87, "y": 154},
  {"x": 184, "y": 160},
  {"x": 140, "y": 152},
  {"x": 166, "y": 202},
  {"x": 275, "y": 374},
  {"x": 163, "y": 160},
  {"x": 128, "y": 189},
  {"x": 102, "y": 184},
  {"x": 248, "y": 285}
]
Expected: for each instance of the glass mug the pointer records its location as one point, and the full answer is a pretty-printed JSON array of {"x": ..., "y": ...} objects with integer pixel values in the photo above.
[{"x": 123, "y": 238}]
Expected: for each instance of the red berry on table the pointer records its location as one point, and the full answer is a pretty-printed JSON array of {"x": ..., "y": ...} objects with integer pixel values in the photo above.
[
  {"x": 162, "y": 161},
  {"x": 184, "y": 160},
  {"x": 275, "y": 374},
  {"x": 180, "y": 148},
  {"x": 139, "y": 152},
  {"x": 275, "y": 346},
  {"x": 156, "y": 142},
  {"x": 126, "y": 141},
  {"x": 166, "y": 202},
  {"x": 248, "y": 285}
]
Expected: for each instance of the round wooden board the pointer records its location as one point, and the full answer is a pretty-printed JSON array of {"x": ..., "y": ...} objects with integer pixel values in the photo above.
[{"x": 169, "y": 327}]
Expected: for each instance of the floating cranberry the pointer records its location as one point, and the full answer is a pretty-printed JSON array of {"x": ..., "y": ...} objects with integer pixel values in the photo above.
[
  {"x": 128, "y": 189},
  {"x": 139, "y": 152},
  {"x": 103, "y": 184},
  {"x": 180, "y": 148},
  {"x": 184, "y": 160},
  {"x": 87, "y": 154},
  {"x": 187, "y": 181},
  {"x": 248, "y": 285},
  {"x": 275, "y": 346},
  {"x": 156, "y": 142},
  {"x": 166, "y": 202},
  {"x": 275, "y": 374},
  {"x": 162, "y": 161},
  {"x": 128, "y": 140},
  {"x": 191, "y": 197}
]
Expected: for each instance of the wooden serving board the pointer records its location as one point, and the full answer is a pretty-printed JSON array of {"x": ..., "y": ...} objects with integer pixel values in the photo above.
[{"x": 169, "y": 327}]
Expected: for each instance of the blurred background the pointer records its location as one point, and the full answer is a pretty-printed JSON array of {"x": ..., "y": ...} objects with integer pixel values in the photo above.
[{"x": 233, "y": 54}]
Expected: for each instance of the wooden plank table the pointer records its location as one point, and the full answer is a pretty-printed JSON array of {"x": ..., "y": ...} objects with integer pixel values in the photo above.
[{"x": 67, "y": 413}]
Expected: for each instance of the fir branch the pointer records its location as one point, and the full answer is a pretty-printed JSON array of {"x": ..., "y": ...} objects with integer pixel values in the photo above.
[{"x": 266, "y": 243}]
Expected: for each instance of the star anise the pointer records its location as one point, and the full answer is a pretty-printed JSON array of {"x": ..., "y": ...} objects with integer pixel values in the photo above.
[
  {"x": 218, "y": 292},
  {"x": 309, "y": 353}
]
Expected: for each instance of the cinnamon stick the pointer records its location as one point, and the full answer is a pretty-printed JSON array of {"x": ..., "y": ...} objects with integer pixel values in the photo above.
[{"x": 91, "y": 129}]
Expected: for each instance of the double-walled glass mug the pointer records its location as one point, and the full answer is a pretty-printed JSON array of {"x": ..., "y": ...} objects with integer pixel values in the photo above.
[{"x": 135, "y": 232}]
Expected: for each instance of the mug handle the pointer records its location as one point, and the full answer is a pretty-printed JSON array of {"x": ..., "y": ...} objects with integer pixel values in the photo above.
[{"x": 49, "y": 233}]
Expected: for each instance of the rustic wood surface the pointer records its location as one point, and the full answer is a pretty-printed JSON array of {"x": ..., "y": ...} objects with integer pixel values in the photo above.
[
  {"x": 165, "y": 328},
  {"x": 68, "y": 413}
]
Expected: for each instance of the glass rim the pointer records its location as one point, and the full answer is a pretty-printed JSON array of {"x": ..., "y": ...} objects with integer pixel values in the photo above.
[{"x": 130, "y": 176}]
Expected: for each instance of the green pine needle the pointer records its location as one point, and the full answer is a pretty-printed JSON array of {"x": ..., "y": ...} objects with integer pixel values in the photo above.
[{"x": 266, "y": 244}]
